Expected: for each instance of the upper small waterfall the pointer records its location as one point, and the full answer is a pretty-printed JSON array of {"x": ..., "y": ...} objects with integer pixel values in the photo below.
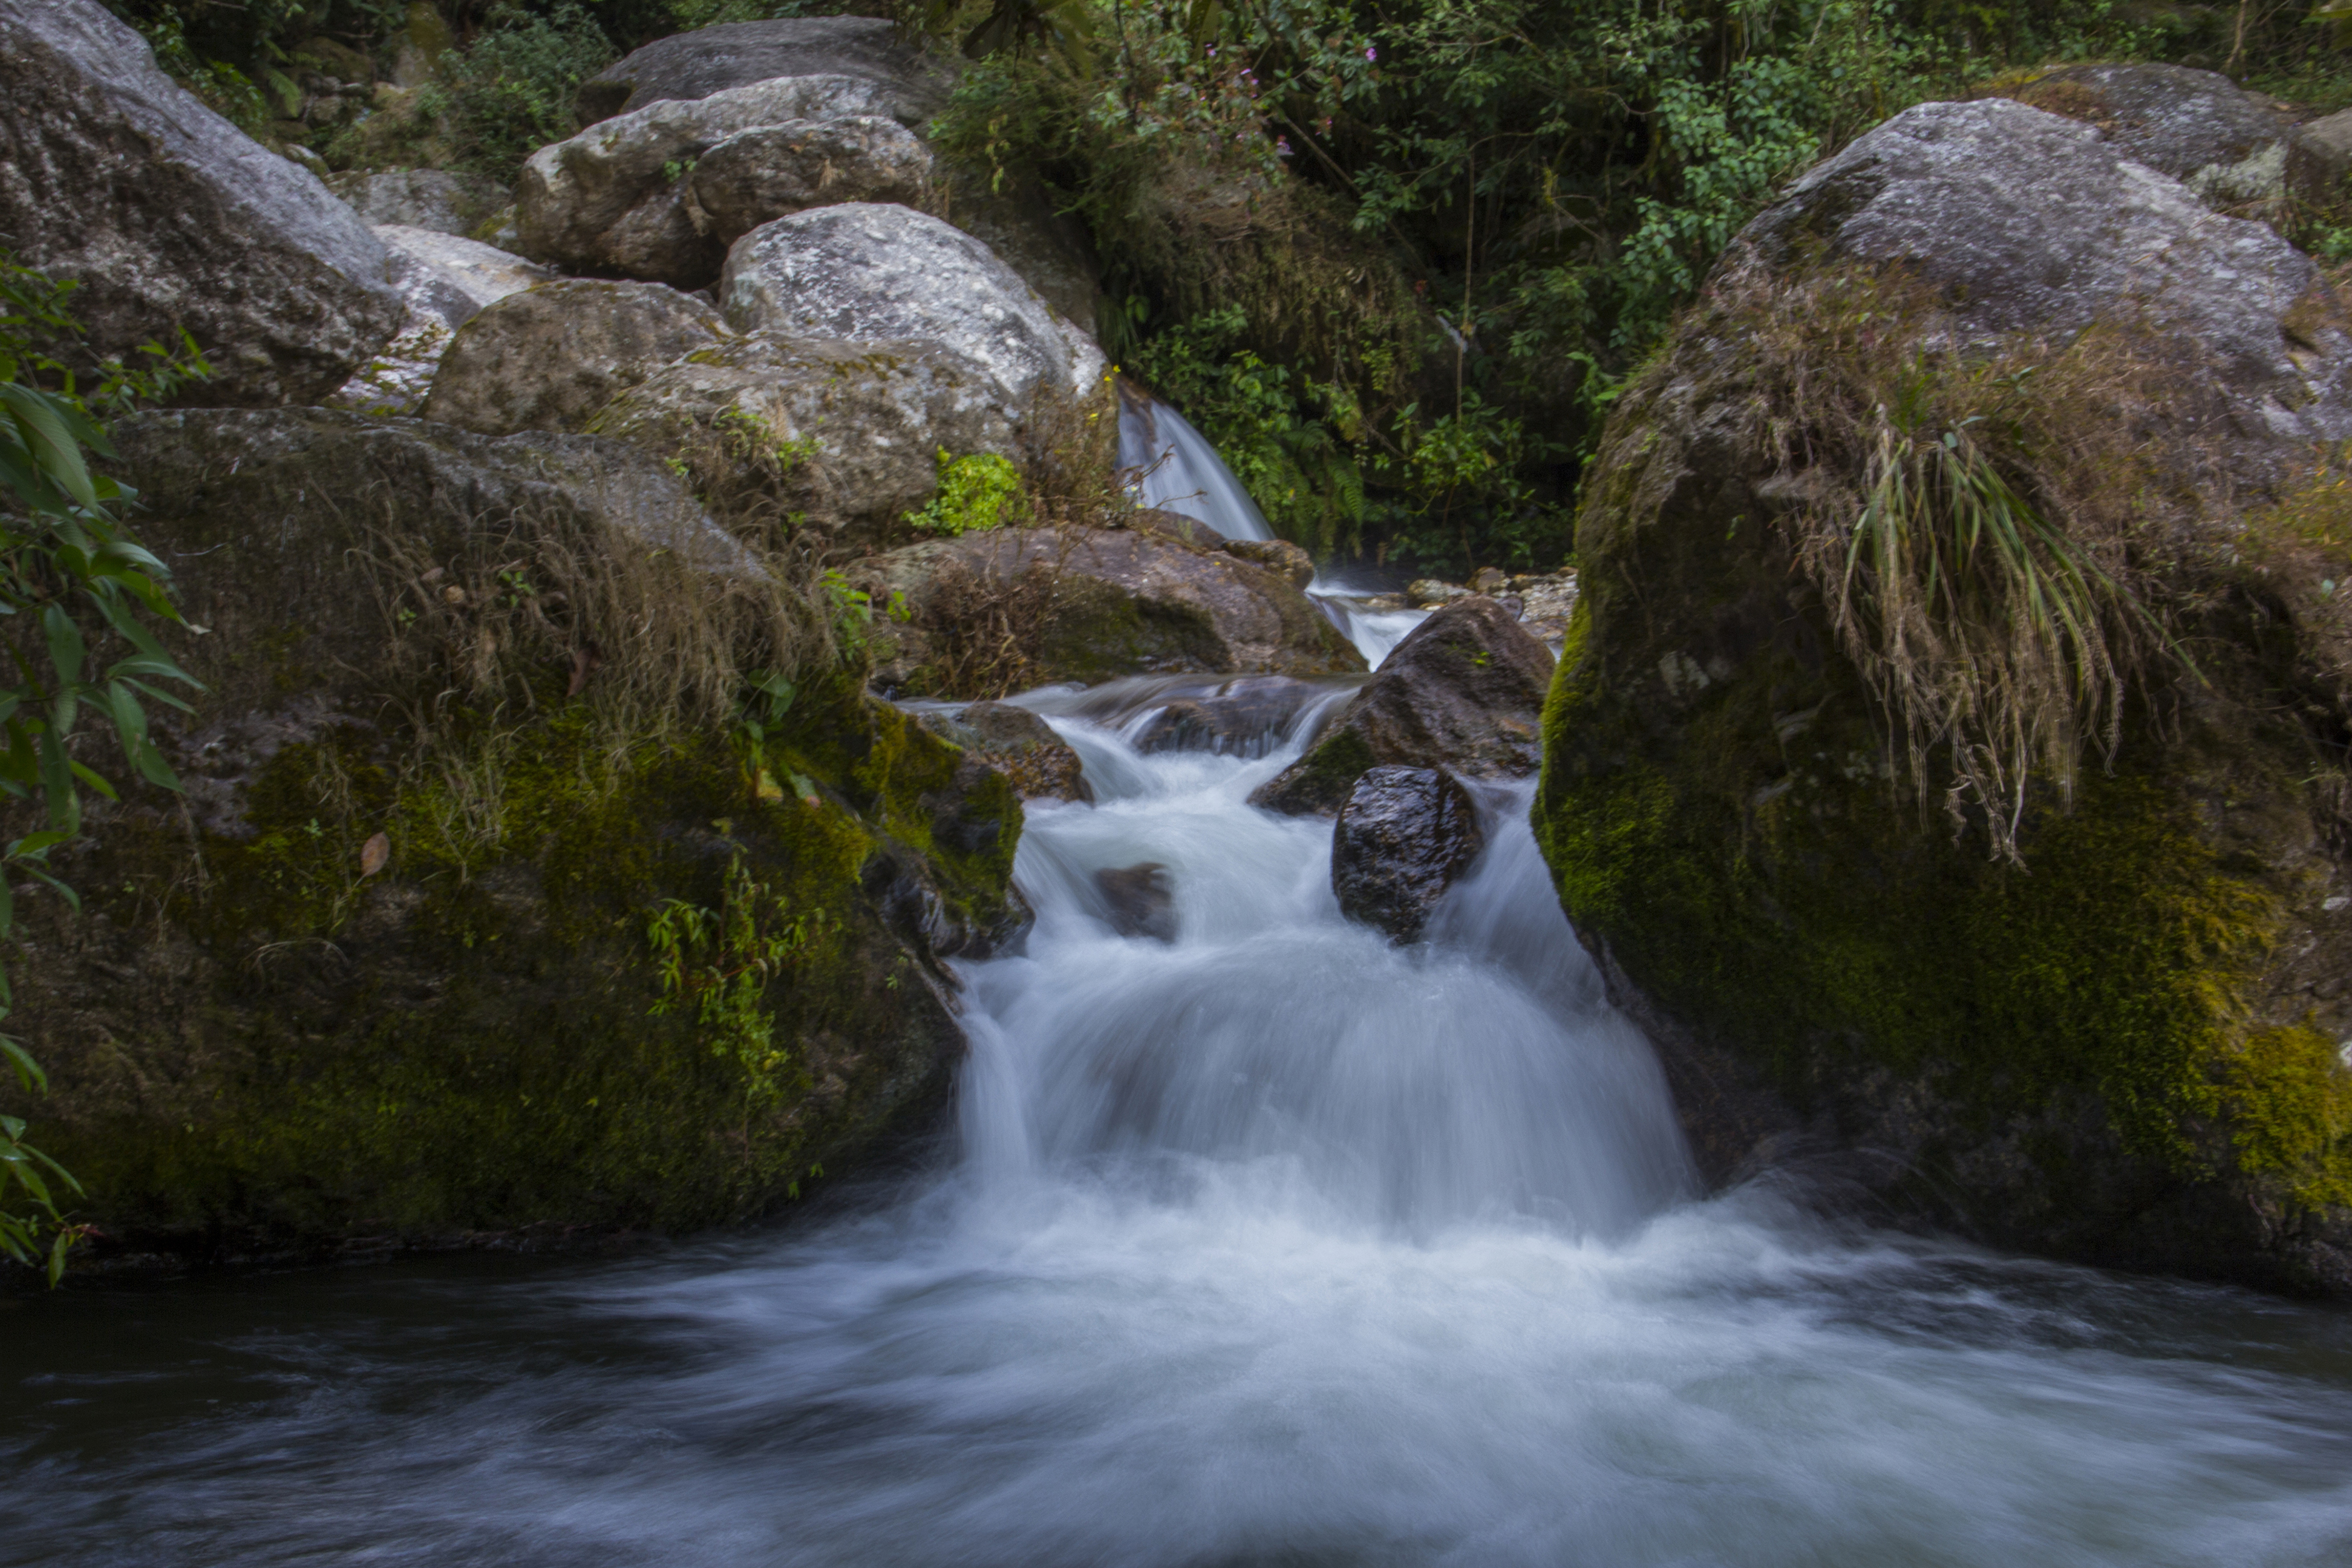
[{"x": 1177, "y": 470}]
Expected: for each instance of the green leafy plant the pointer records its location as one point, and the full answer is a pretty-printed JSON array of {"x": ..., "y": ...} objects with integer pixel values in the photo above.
[
  {"x": 67, "y": 567},
  {"x": 719, "y": 962},
  {"x": 511, "y": 92},
  {"x": 978, "y": 490}
]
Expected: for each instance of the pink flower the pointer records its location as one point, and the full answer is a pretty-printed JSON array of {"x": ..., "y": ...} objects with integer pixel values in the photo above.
[{"x": 1371, "y": 53}]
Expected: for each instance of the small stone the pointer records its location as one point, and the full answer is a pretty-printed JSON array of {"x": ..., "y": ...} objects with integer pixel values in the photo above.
[
  {"x": 1428, "y": 592},
  {"x": 1401, "y": 840},
  {"x": 1140, "y": 901}
]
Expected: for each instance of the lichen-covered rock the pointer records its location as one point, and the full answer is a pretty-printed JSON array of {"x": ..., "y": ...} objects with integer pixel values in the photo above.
[
  {"x": 167, "y": 216},
  {"x": 1402, "y": 837},
  {"x": 878, "y": 271},
  {"x": 758, "y": 175},
  {"x": 548, "y": 358},
  {"x": 1463, "y": 692},
  {"x": 1278, "y": 556},
  {"x": 611, "y": 200},
  {"x": 266, "y": 1041},
  {"x": 2124, "y": 1049},
  {"x": 687, "y": 67},
  {"x": 2024, "y": 221},
  {"x": 1087, "y": 604},
  {"x": 439, "y": 199},
  {"x": 446, "y": 281},
  {"x": 845, "y": 434},
  {"x": 1018, "y": 744},
  {"x": 1016, "y": 219},
  {"x": 2228, "y": 146}
]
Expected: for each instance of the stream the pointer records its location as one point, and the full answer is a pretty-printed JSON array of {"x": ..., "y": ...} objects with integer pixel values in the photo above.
[{"x": 1271, "y": 1245}]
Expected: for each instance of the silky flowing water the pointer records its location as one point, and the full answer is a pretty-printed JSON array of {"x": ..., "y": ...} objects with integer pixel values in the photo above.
[{"x": 1273, "y": 1245}]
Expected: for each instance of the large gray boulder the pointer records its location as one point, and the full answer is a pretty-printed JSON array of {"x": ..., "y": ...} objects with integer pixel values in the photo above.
[
  {"x": 756, "y": 176},
  {"x": 1404, "y": 837},
  {"x": 1011, "y": 607},
  {"x": 847, "y": 434},
  {"x": 882, "y": 271},
  {"x": 1463, "y": 691},
  {"x": 2027, "y": 222},
  {"x": 437, "y": 199},
  {"x": 687, "y": 66},
  {"x": 549, "y": 358},
  {"x": 168, "y": 216},
  {"x": 261, "y": 462},
  {"x": 2228, "y": 146},
  {"x": 611, "y": 199},
  {"x": 446, "y": 281}
]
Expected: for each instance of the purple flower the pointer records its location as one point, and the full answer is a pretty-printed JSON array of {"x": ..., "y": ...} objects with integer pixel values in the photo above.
[
  {"x": 1371, "y": 53},
  {"x": 1282, "y": 146}
]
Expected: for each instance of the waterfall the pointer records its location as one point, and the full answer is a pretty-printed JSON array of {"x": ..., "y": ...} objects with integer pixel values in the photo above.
[{"x": 1177, "y": 470}]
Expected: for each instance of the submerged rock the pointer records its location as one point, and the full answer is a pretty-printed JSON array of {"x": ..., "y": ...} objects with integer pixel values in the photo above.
[
  {"x": 1402, "y": 837},
  {"x": 1463, "y": 691},
  {"x": 879, "y": 272},
  {"x": 1012, "y": 607},
  {"x": 166, "y": 216},
  {"x": 758, "y": 175},
  {"x": 613, "y": 199},
  {"x": 1138, "y": 900},
  {"x": 550, "y": 357},
  {"x": 689, "y": 67},
  {"x": 375, "y": 981}
]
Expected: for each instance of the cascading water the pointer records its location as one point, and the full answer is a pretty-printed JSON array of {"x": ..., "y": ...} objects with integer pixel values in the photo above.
[
  {"x": 1177, "y": 469},
  {"x": 1272, "y": 1243}
]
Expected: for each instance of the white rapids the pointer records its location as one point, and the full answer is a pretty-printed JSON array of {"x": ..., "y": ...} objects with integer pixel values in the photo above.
[{"x": 1271, "y": 1245}]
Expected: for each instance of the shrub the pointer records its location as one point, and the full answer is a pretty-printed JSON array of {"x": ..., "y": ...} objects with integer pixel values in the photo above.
[{"x": 979, "y": 490}]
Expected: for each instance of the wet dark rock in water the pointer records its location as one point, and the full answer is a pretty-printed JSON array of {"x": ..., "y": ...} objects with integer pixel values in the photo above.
[
  {"x": 1139, "y": 900},
  {"x": 1402, "y": 838},
  {"x": 1242, "y": 718},
  {"x": 1018, "y": 744},
  {"x": 1464, "y": 691}
]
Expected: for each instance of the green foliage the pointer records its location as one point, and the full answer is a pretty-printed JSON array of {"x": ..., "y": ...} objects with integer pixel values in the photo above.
[
  {"x": 1396, "y": 209},
  {"x": 63, "y": 552},
  {"x": 978, "y": 490},
  {"x": 720, "y": 962},
  {"x": 510, "y": 93}
]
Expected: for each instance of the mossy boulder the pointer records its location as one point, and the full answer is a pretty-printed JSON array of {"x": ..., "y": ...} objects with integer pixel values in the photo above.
[
  {"x": 2120, "y": 1044},
  {"x": 1005, "y": 608},
  {"x": 456, "y": 937}
]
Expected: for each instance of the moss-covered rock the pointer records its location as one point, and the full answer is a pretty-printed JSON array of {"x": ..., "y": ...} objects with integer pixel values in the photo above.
[
  {"x": 430, "y": 954},
  {"x": 2122, "y": 1049}
]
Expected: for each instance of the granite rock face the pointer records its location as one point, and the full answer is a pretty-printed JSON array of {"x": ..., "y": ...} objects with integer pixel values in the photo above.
[
  {"x": 1402, "y": 837},
  {"x": 687, "y": 67},
  {"x": 168, "y": 216},
  {"x": 611, "y": 200},
  {"x": 549, "y": 358},
  {"x": 772, "y": 171},
  {"x": 2026, "y": 222},
  {"x": 446, "y": 281},
  {"x": 880, "y": 271},
  {"x": 2228, "y": 146},
  {"x": 439, "y": 199},
  {"x": 847, "y": 434}
]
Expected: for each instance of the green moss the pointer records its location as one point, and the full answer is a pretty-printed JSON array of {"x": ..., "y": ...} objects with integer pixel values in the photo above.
[
  {"x": 2290, "y": 1106},
  {"x": 473, "y": 1039}
]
